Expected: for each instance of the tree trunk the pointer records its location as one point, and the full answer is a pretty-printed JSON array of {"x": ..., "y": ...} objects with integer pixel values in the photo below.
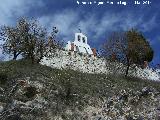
[
  {"x": 15, "y": 55},
  {"x": 32, "y": 58},
  {"x": 128, "y": 65},
  {"x": 41, "y": 55}
]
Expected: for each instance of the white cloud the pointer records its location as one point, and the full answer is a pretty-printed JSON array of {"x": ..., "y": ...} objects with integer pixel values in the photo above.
[
  {"x": 12, "y": 8},
  {"x": 65, "y": 21},
  {"x": 68, "y": 21},
  {"x": 15, "y": 8},
  {"x": 148, "y": 25}
]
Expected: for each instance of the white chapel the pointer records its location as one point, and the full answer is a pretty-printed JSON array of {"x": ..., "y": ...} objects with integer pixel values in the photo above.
[{"x": 80, "y": 45}]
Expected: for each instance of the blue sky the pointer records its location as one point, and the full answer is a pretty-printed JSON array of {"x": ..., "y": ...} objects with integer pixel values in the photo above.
[{"x": 96, "y": 21}]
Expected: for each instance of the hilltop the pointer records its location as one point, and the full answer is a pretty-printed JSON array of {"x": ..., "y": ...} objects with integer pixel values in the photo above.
[{"x": 37, "y": 92}]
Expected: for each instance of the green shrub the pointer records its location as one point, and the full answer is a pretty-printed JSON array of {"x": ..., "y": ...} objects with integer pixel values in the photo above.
[
  {"x": 30, "y": 92},
  {"x": 3, "y": 77}
]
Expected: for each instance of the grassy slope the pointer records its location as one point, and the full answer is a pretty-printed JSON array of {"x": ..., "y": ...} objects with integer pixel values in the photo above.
[
  {"x": 86, "y": 89},
  {"x": 81, "y": 83}
]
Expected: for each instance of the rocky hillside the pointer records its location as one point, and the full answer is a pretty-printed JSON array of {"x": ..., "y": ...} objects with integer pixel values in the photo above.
[
  {"x": 61, "y": 59},
  {"x": 37, "y": 92}
]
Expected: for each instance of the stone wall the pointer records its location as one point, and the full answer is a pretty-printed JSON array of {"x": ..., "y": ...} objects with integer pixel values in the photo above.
[
  {"x": 76, "y": 61},
  {"x": 62, "y": 59}
]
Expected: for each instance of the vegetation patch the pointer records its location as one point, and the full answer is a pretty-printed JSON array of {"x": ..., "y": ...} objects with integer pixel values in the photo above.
[
  {"x": 30, "y": 92},
  {"x": 3, "y": 78}
]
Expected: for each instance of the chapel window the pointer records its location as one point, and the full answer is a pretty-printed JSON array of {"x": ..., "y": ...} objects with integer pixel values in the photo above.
[
  {"x": 83, "y": 39},
  {"x": 79, "y": 38}
]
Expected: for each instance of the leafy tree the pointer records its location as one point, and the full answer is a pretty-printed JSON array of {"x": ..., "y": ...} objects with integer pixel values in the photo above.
[
  {"x": 27, "y": 38},
  {"x": 139, "y": 48},
  {"x": 128, "y": 47},
  {"x": 34, "y": 40},
  {"x": 12, "y": 40}
]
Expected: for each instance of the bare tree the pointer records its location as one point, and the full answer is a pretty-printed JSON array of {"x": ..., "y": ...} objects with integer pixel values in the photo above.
[{"x": 128, "y": 47}]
